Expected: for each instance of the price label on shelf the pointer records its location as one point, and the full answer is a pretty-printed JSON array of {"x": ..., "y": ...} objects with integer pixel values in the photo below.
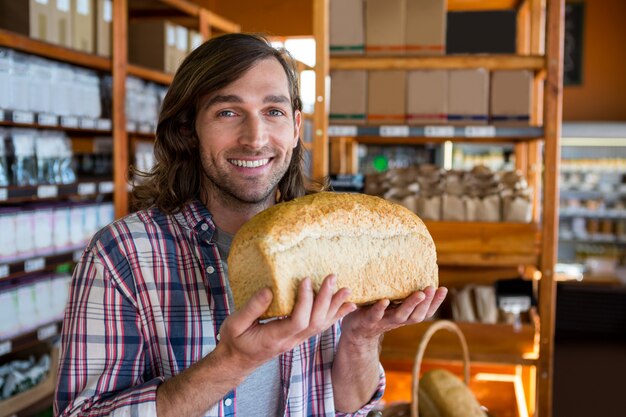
[
  {"x": 47, "y": 191},
  {"x": 4, "y": 194},
  {"x": 105, "y": 187},
  {"x": 394, "y": 131},
  {"x": 131, "y": 127},
  {"x": 34, "y": 264},
  {"x": 338, "y": 130},
  {"x": 145, "y": 128},
  {"x": 69, "y": 121},
  {"x": 47, "y": 120},
  {"x": 25, "y": 117},
  {"x": 86, "y": 188},
  {"x": 439, "y": 131},
  {"x": 6, "y": 347},
  {"x": 46, "y": 332},
  {"x": 103, "y": 124},
  {"x": 4, "y": 271},
  {"x": 87, "y": 123},
  {"x": 480, "y": 131}
]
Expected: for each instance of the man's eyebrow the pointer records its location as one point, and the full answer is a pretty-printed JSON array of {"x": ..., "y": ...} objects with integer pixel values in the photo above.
[
  {"x": 276, "y": 99},
  {"x": 231, "y": 98}
]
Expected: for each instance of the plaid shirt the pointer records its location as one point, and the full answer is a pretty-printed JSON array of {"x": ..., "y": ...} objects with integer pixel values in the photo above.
[{"x": 147, "y": 300}]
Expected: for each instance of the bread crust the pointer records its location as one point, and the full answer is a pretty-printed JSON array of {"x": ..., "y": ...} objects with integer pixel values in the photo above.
[{"x": 377, "y": 248}]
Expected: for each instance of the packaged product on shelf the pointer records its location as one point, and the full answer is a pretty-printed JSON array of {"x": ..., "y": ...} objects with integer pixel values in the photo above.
[
  {"x": 21, "y": 375},
  {"x": 517, "y": 206},
  {"x": 348, "y": 97},
  {"x": 90, "y": 225},
  {"x": 195, "y": 40},
  {"x": 59, "y": 293},
  {"x": 63, "y": 86},
  {"x": 385, "y": 27},
  {"x": 144, "y": 156},
  {"x": 61, "y": 227},
  {"x": 39, "y": 74},
  {"x": 427, "y": 97},
  {"x": 346, "y": 27},
  {"x": 5, "y": 77},
  {"x": 182, "y": 44},
  {"x": 18, "y": 86},
  {"x": 104, "y": 18},
  {"x": 511, "y": 97},
  {"x": 5, "y": 170},
  {"x": 426, "y": 27},
  {"x": 24, "y": 234},
  {"x": 61, "y": 23},
  {"x": 77, "y": 228},
  {"x": 386, "y": 97},
  {"x": 21, "y": 155},
  {"x": 7, "y": 309},
  {"x": 106, "y": 214},
  {"x": 468, "y": 96},
  {"x": 8, "y": 249},
  {"x": 27, "y": 313},
  {"x": 86, "y": 101},
  {"x": 43, "y": 219},
  {"x": 162, "y": 55},
  {"x": 83, "y": 20},
  {"x": 66, "y": 173},
  {"x": 453, "y": 200},
  {"x": 27, "y": 17}
]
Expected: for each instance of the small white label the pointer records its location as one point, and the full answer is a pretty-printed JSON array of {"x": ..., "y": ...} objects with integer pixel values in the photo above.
[
  {"x": 42, "y": 1},
  {"x": 82, "y": 7},
  {"x": 439, "y": 131},
  {"x": 63, "y": 5},
  {"x": 47, "y": 120},
  {"x": 182, "y": 38},
  {"x": 86, "y": 188},
  {"x": 6, "y": 347},
  {"x": 145, "y": 128},
  {"x": 25, "y": 117},
  {"x": 103, "y": 124},
  {"x": 107, "y": 11},
  {"x": 131, "y": 127},
  {"x": 4, "y": 271},
  {"x": 46, "y": 332},
  {"x": 69, "y": 121},
  {"x": 87, "y": 123},
  {"x": 77, "y": 255},
  {"x": 47, "y": 191},
  {"x": 35, "y": 264},
  {"x": 4, "y": 194},
  {"x": 105, "y": 187},
  {"x": 338, "y": 130},
  {"x": 171, "y": 35},
  {"x": 480, "y": 131},
  {"x": 394, "y": 131}
]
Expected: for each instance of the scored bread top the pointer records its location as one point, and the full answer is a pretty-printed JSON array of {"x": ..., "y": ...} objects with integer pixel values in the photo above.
[{"x": 329, "y": 214}]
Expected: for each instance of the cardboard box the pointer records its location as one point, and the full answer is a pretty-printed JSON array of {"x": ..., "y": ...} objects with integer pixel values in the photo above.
[
  {"x": 195, "y": 40},
  {"x": 427, "y": 101},
  {"x": 61, "y": 23},
  {"x": 348, "y": 97},
  {"x": 468, "y": 96},
  {"x": 103, "y": 19},
  {"x": 511, "y": 97},
  {"x": 83, "y": 19},
  {"x": 161, "y": 36},
  {"x": 386, "y": 97},
  {"x": 346, "y": 27},
  {"x": 29, "y": 18},
  {"x": 426, "y": 27},
  {"x": 385, "y": 24}
]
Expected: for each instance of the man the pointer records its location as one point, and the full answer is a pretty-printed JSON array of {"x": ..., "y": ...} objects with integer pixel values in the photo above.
[{"x": 149, "y": 328}]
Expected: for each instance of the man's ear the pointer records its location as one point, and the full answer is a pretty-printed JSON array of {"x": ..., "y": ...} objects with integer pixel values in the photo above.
[{"x": 297, "y": 119}]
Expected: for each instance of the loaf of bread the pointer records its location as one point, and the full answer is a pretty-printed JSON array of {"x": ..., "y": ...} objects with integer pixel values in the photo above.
[
  {"x": 442, "y": 394},
  {"x": 376, "y": 248}
]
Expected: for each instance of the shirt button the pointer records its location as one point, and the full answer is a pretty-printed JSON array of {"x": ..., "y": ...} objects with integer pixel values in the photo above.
[
  {"x": 218, "y": 337},
  {"x": 210, "y": 269},
  {"x": 204, "y": 227},
  {"x": 228, "y": 402}
]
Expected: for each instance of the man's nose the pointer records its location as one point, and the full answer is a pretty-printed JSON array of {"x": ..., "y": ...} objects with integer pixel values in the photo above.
[{"x": 254, "y": 132}]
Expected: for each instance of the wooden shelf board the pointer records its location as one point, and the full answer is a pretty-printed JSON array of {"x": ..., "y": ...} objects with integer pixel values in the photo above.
[
  {"x": 485, "y": 244},
  {"x": 475, "y": 5},
  {"x": 47, "y": 50},
  {"x": 28, "y": 339},
  {"x": 487, "y": 343},
  {"x": 149, "y": 74},
  {"x": 491, "y": 62},
  {"x": 183, "y": 6}
]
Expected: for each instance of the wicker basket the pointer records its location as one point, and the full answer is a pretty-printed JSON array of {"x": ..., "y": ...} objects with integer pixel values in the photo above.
[{"x": 411, "y": 409}]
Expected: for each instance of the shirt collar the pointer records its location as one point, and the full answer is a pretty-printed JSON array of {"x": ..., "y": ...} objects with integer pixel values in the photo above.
[{"x": 197, "y": 217}]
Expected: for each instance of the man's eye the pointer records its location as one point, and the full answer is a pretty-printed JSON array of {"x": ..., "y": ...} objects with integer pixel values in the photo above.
[
  {"x": 276, "y": 112},
  {"x": 226, "y": 113}
]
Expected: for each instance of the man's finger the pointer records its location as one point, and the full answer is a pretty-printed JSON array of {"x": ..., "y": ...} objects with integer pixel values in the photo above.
[
  {"x": 257, "y": 305},
  {"x": 440, "y": 295}
]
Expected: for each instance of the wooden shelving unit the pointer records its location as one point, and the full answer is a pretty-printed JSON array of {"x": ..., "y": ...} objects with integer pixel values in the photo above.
[{"x": 477, "y": 252}]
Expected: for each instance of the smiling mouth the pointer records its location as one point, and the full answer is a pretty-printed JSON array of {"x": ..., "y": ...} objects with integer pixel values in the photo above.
[{"x": 249, "y": 164}]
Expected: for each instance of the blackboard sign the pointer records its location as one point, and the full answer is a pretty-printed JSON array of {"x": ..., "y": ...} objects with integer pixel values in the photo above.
[{"x": 573, "y": 46}]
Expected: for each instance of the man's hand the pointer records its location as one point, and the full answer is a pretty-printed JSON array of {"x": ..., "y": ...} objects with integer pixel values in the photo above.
[
  {"x": 251, "y": 344},
  {"x": 367, "y": 324}
]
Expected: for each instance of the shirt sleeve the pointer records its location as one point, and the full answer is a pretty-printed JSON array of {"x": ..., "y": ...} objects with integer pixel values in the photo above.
[
  {"x": 102, "y": 363},
  {"x": 380, "y": 390}
]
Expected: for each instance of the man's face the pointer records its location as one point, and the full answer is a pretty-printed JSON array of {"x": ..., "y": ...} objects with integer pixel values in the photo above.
[{"x": 247, "y": 132}]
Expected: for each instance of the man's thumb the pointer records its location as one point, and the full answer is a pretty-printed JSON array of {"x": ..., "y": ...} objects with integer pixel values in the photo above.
[{"x": 252, "y": 310}]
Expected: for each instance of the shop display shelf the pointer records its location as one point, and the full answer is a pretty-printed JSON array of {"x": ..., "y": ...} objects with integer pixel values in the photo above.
[
  {"x": 485, "y": 244},
  {"x": 406, "y": 134},
  {"x": 38, "y": 263},
  {"x": 487, "y": 343},
  {"x": 27, "y": 339},
  {"x": 18, "y": 194},
  {"x": 593, "y": 214},
  {"x": 28, "y": 119}
]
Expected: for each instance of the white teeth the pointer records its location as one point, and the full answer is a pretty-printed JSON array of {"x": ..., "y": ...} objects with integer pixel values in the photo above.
[{"x": 249, "y": 164}]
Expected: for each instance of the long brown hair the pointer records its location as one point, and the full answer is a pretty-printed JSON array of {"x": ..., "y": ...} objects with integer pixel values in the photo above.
[{"x": 176, "y": 177}]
